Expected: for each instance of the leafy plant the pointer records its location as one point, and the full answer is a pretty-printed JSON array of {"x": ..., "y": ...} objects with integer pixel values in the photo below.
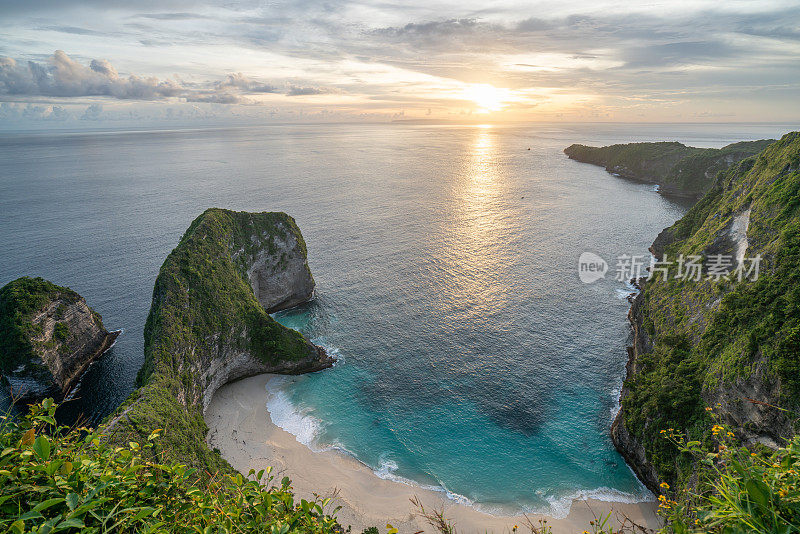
[
  {"x": 740, "y": 489},
  {"x": 58, "y": 479}
]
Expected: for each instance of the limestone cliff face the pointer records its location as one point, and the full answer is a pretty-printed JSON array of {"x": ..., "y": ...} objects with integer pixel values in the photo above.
[
  {"x": 731, "y": 344},
  {"x": 50, "y": 337},
  {"x": 279, "y": 275},
  {"x": 209, "y": 324}
]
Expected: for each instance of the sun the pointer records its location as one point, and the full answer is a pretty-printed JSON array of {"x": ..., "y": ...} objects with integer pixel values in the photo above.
[{"x": 487, "y": 97}]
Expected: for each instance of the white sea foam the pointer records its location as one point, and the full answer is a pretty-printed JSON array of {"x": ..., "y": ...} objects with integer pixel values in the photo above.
[
  {"x": 303, "y": 426},
  {"x": 299, "y": 422},
  {"x": 387, "y": 470},
  {"x": 559, "y": 507},
  {"x": 332, "y": 351},
  {"x": 615, "y": 407},
  {"x": 629, "y": 290}
]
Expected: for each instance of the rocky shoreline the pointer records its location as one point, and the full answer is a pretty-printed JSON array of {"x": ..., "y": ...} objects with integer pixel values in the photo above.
[{"x": 630, "y": 449}]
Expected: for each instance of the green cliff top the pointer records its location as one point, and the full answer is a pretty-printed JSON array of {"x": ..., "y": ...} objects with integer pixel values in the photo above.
[
  {"x": 202, "y": 291},
  {"x": 719, "y": 341},
  {"x": 679, "y": 169}
]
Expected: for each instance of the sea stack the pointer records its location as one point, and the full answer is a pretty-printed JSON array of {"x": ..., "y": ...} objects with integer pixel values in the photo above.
[
  {"x": 209, "y": 324},
  {"x": 48, "y": 337}
]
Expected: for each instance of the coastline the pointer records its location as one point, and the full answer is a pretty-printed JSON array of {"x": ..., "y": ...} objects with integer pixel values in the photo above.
[{"x": 240, "y": 427}]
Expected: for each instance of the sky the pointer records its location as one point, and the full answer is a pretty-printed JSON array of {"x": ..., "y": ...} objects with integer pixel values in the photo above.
[{"x": 98, "y": 62}]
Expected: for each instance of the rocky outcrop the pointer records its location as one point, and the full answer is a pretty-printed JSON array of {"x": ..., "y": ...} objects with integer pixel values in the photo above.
[
  {"x": 677, "y": 169},
  {"x": 209, "y": 324},
  {"x": 731, "y": 344},
  {"x": 48, "y": 337}
]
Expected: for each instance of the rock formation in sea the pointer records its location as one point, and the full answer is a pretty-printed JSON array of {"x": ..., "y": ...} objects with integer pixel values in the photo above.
[
  {"x": 48, "y": 337},
  {"x": 731, "y": 343},
  {"x": 679, "y": 170},
  {"x": 209, "y": 324}
]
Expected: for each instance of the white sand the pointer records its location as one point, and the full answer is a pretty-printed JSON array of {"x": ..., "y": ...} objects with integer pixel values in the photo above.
[{"x": 240, "y": 427}]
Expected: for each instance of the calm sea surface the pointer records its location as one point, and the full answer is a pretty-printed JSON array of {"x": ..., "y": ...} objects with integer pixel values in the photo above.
[{"x": 471, "y": 357}]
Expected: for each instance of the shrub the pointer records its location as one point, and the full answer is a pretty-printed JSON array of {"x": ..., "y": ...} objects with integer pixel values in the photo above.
[
  {"x": 61, "y": 331},
  {"x": 740, "y": 489},
  {"x": 57, "y": 479}
]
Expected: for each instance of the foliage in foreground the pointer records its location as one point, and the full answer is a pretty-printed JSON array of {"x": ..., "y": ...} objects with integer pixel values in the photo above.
[
  {"x": 57, "y": 479},
  {"x": 739, "y": 489}
]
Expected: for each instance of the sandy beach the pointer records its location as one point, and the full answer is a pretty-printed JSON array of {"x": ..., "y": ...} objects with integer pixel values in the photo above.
[{"x": 240, "y": 427}]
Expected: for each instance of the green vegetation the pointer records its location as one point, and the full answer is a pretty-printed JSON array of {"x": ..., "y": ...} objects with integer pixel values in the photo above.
[
  {"x": 740, "y": 489},
  {"x": 695, "y": 172},
  {"x": 679, "y": 169},
  {"x": 55, "y": 479},
  {"x": 711, "y": 339},
  {"x": 202, "y": 292},
  {"x": 61, "y": 331},
  {"x": 19, "y": 300},
  {"x": 203, "y": 307}
]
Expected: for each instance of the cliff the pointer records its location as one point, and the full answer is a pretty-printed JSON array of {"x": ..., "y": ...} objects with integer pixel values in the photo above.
[
  {"x": 48, "y": 337},
  {"x": 209, "y": 325},
  {"x": 678, "y": 169},
  {"x": 731, "y": 343}
]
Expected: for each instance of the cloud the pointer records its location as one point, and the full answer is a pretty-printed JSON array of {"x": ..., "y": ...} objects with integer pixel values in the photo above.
[
  {"x": 64, "y": 77},
  {"x": 74, "y": 30},
  {"x": 94, "y": 112},
  {"x": 249, "y": 85},
  {"x": 419, "y": 53},
  {"x": 173, "y": 16},
  {"x": 680, "y": 53},
  {"x": 217, "y": 98},
  {"x": 295, "y": 90},
  {"x": 30, "y": 112}
]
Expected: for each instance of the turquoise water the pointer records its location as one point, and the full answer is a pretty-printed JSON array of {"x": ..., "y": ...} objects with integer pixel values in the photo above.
[{"x": 471, "y": 358}]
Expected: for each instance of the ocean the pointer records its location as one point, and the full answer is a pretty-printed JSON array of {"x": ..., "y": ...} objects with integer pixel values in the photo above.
[{"x": 472, "y": 359}]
